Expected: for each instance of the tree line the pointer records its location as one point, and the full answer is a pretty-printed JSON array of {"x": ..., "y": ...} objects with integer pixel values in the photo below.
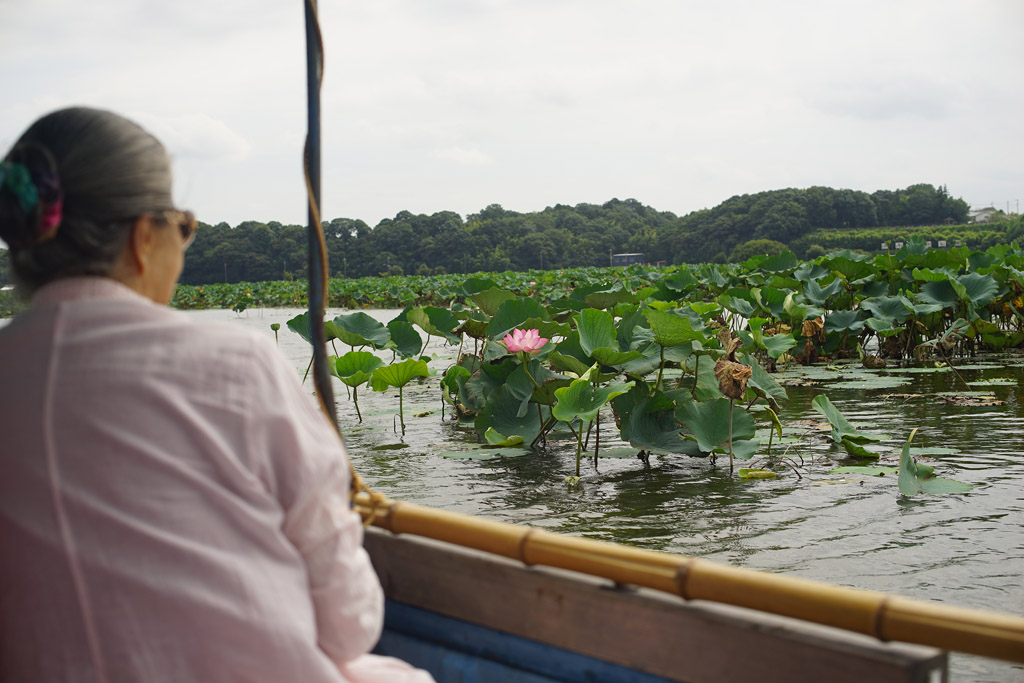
[{"x": 496, "y": 239}]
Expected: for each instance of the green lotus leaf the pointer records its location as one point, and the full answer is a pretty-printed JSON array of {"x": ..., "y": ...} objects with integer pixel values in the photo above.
[
  {"x": 611, "y": 357},
  {"x": 891, "y": 308},
  {"x": 670, "y": 329},
  {"x": 915, "y": 479},
  {"x": 818, "y": 295},
  {"x": 856, "y": 450},
  {"x": 473, "y": 326},
  {"x": 648, "y": 423},
  {"x": 565, "y": 363},
  {"x": 455, "y": 378},
  {"x": 851, "y": 269},
  {"x": 406, "y": 339},
  {"x": 746, "y": 473},
  {"x": 778, "y": 263},
  {"x": 582, "y": 400},
  {"x": 841, "y": 428},
  {"x": 359, "y": 329},
  {"x": 843, "y": 321},
  {"x": 737, "y": 305},
  {"x": 929, "y": 275},
  {"x": 864, "y": 469},
  {"x": 772, "y": 300},
  {"x": 495, "y": 438},
  {"x": 597, "y": 330},
  {"x": 501, "y": 412},
  {"x": 489, "y": 300},
  {"x": 300, "y": 326},
  {"x": 607, "y": 298},
  {"x": 976, "y": 288},
  {"x": 708, "y": 422},
  {"x": 355, "y": 368},
  {"x": 512, "y": 314},
  {"x": 435, "y": 321},
  {"x": 475, "y": 285},
  {"x": 398, "y": 374}
]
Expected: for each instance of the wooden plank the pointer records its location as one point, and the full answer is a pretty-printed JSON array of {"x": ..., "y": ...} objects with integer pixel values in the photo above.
[{"x": 695, "y": 641}]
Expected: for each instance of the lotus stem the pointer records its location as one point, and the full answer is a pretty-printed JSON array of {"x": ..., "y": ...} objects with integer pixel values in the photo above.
[
  {"x": 696, "y": 368},
  {"x": 731, "y": 402},
  {"x": 355, "y": 401},
  {"x": 661, "y": 368},
  {"x": 579, "y": 448},
  {"x": 597, "y": 437},
  {"x": 307, "y": 370},
  {"x": 526, "y": 369},
  {"x": 401, "y": 415}
]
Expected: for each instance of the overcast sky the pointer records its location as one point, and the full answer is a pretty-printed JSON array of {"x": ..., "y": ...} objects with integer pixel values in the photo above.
[{"x": 432, "y": 105}]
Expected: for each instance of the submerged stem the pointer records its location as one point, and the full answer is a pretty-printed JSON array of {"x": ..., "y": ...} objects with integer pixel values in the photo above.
[
  {"x": 401, "y": 405},
  {"x": 731, "y": 403}
]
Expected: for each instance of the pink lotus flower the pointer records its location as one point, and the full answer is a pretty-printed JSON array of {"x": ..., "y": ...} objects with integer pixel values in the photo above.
[{"x": 528, "y": 341}]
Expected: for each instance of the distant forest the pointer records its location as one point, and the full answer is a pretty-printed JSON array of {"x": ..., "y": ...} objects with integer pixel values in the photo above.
[{"x": 807, "y": 221}]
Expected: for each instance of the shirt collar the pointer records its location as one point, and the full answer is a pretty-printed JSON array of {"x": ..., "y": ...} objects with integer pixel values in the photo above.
[{"x": 78, "y": 288}]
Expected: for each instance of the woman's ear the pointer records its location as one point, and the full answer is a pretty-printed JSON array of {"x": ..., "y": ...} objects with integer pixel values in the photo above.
[{"x": 140, "y": 246}]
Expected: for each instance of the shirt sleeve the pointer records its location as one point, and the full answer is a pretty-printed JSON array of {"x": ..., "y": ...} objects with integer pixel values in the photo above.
[{"x": 307, "y": 470}]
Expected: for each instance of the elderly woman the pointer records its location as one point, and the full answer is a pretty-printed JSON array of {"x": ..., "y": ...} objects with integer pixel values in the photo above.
[{"x": 173, "y": 507}]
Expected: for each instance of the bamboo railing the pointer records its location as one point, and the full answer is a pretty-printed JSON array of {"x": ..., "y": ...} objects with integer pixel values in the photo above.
[{"x": 874, "y": 613}]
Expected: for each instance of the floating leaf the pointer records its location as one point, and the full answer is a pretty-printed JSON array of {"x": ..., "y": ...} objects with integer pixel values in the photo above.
[
  {"x": 746, "y": 473},
  {"x": 495, "y": 438},
  {"x": 862, "y": 469},
  {"x": 841, "y": 429},
  {"x": 915, "y": 479}
]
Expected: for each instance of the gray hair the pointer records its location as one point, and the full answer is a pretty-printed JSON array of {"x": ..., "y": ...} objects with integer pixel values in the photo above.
[{"x": 109, "y": 171}]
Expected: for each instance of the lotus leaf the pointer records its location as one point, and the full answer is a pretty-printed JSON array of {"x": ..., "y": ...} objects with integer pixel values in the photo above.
[
  {"x": 398, "y": 374},
  {"x": 890, "y": 308},
  {"x": 708, "y": 421},
  {"x": 474, "y": 285},
  {"x": 355, "y": 368},
  {"x": 406, "y": 339},
  {"x": 438, "y": 322},
  {"x": 649, "y": 423},
  {"x": 359, "y": 329},
  {"x": 746, "y": 473},
  {"x": 582, "y": 400},
  {"x": 670, "y": 329},
  {"x": 841, "y": 428},
  {"x": 491, "y": 299},
  {"x": 494, "y": 438},
  {"x": 864, "y": 469},
  {"x": 975, "y": 288},
  {"x": 501, "y": 411},
  {"x": 607, "y": 298},
  {"x": 843, "y": 321},
  {"x": 512, "y": 314},
  {"x": 818, "y": 295},
  {"x": 915, "y": 479}
]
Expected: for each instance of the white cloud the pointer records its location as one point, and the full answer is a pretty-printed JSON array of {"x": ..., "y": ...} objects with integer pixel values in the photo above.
[{"x": 456, "y": 104}]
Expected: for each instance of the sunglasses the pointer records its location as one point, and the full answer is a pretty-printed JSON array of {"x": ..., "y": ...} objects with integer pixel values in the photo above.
[{"x": 185, "y": 220}]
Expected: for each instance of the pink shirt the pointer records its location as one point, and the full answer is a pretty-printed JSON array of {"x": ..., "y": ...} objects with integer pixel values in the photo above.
[{"x": 173, "y": 507}]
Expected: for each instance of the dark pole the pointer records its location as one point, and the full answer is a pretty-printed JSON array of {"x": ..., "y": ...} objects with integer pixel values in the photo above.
[{"x": 317, "y": 246}]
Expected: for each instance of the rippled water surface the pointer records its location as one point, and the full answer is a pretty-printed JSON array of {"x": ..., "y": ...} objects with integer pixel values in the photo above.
[{"x": 964, "y": 549}]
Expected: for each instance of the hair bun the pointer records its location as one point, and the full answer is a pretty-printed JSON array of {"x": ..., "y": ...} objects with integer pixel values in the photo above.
[{"x": 31, "y": 200}]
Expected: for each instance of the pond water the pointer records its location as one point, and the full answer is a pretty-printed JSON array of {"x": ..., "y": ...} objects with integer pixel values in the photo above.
[{"x": 964, "y": 549}]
